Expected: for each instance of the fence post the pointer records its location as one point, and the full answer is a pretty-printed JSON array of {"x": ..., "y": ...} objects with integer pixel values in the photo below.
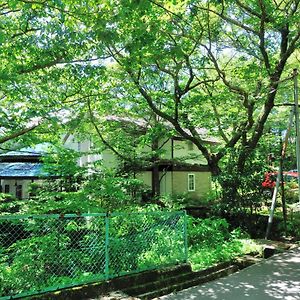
[
  {"x": 185, "y": 237},
  {"x": 107, "y": 246}
]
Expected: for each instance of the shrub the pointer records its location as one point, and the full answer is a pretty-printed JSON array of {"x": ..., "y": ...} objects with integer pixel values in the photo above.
[
  {"x": 6, "y": 197},
  {"x": 212, "y": 242},
  {"x": 9, "y": 204},
  {"x": 208, "y": 231}
]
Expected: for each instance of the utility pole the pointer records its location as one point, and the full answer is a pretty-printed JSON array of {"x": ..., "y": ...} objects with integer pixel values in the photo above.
[
  {"x": 296, "y": 101},
  {"x": 283, "y": 149},
  {"x": 294, "y": 112}
]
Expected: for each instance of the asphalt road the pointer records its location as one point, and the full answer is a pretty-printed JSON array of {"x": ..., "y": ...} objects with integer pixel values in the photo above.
[{"x": 275, "y": 278}]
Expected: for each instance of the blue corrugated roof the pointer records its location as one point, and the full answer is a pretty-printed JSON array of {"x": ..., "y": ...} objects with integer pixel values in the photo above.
[
  {"x": 21, "y": 170},
  {"x": 20, "y": 154},
  {"x": 37, "y": 150}
]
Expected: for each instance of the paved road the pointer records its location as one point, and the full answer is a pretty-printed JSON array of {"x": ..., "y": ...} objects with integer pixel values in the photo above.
[{"x": 275, "y": 278}]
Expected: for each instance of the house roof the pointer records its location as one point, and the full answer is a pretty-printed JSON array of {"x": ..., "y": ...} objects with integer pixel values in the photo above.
[
  {"x": 143, "y": 124},
  {"x": 26, "y": 170},
  {"x": 25, "y": 154}
]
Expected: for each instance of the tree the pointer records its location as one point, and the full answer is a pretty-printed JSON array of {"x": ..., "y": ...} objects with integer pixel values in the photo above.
[
  {"x": 137, "y": 141},
  {"x": 42, "y": 47},
  {"x": 224, "y": 59},
  {"x": 211, "y": 64}
]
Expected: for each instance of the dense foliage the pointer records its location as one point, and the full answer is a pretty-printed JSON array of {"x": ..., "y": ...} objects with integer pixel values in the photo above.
[
  {"x": 67, "y": 250},
  {"x": 211, "y": 242},
  {"x": 60, "y": 251},
  {"x": 196, "y": 64},
  {"x": 177, "y": 67},
  {"x": 193, "y": 64}
]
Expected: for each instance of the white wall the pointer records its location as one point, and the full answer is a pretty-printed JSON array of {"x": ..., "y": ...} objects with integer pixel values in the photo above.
[
  {"x": 82, "y": 146},
  {"x": 13, "y": 184}
]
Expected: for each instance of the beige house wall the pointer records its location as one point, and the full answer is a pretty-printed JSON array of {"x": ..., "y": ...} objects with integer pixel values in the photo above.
[
  {"x": 188, "y": 152},
  {"x": 109, "y": 159},
  {"x": 202, "y": 183},
  {"x": 165, "y": 183},
  {"x": 166, "y": 147},
  {"x": 146, "y": 177},
  {"x": 182, "y": 149},
  {"x": 176, "y": 182}
]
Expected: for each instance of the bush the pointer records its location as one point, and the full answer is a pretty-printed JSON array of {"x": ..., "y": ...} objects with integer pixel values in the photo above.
[
  {"x": 291, "y": 192},
  {"x": 6, "y": 197},
  {"x": 212, "y": 242},
  {"x": 34, "y": 189},
  {"x": 113, "y": 191},
  {"x": 9, "y": 204},
  {"x": 241, "y": 189},
  {"x": 208, "y": 231},
  {"x": 176, "y": 201}
]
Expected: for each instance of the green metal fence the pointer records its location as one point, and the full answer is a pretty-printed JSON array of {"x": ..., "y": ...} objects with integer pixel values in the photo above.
[{"x": 50, "y": 252}]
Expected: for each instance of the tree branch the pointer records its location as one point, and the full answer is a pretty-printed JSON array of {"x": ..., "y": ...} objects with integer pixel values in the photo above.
[
  {"x": 230, "y": 20},
  {"x": 217, "y": 117},
  {"x": 18, "y": 133},
  {"x": 40, "y": 66},
  {"x": 248, "y": 9},
  {"x": 262, "y": 36},
  {"x": 233, "y": 88},
  {"x": 93, "y": 121}
]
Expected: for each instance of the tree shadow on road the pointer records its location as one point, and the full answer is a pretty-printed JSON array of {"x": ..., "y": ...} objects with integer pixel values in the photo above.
[{"x": 274, "y": 278}]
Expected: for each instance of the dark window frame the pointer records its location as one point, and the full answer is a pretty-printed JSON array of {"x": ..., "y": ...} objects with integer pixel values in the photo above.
[
  {"x": 19, "y": 191},
  {"x": 6, "y": 188}
]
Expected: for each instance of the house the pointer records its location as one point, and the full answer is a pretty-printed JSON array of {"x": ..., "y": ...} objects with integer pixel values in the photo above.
[
  {"x": 20, "y": 168},
  {"x": 180, "y": 168}
]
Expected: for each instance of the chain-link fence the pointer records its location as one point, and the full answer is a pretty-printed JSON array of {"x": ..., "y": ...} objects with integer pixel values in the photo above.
[{"x": 46, "y": 253}]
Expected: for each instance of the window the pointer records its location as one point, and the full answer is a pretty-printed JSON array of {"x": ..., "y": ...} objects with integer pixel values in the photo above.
[
  {"x": 191, "y": 182},
  {"x": 6, "y": 189},
  {"x": 19, "y": 191}
]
